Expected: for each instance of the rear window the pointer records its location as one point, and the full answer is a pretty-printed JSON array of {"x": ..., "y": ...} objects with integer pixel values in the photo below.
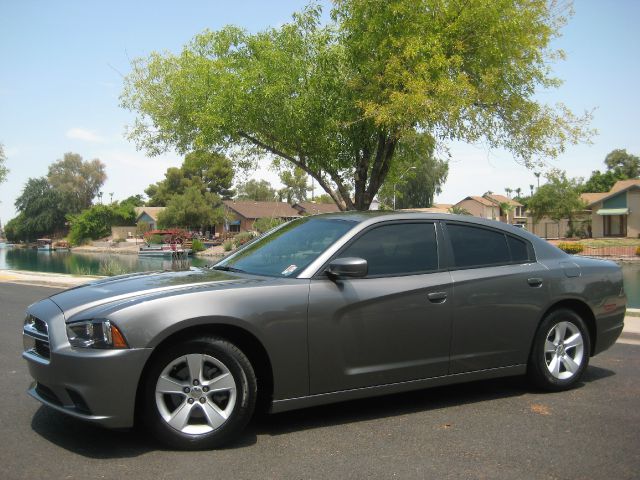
[
  {"x": 475, "y": 247},
  {"x": 519, "y": 251}
]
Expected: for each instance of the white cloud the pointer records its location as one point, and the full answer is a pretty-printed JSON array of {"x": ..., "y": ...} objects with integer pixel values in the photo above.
[{"x": 84, "y": 135}]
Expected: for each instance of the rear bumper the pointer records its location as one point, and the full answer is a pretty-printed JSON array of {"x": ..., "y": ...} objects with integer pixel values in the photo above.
[
  {"x": 99, "y": 386},
  {"x": 609, "y": 329}
]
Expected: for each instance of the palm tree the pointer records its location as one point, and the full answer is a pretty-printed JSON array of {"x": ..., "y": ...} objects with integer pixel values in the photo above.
[
  {"x": 505, "y": 208},
  {"x": 531, "y": 188},
  {"x": 508, "y": 190},
  {"x": 518, "y": 192},
  {"x": 537, "y": 174}
]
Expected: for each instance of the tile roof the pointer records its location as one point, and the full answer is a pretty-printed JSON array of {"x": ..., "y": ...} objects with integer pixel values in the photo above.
[
  {"x": 498, "y": 199},
  {"x": 153, "y": 212},
  {"x": 624, "y": 184},
  {"x": 481, "y": 200},
  {"x": 252, "y": 209},
  {"x": 592, "y": 198},
  {"x": 313, "y": 208}
]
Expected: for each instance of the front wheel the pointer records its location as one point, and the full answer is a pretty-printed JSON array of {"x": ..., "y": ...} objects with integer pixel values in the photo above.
[
  {"x": 560, "y": 352},
  {"x": 199, "y": 393}
]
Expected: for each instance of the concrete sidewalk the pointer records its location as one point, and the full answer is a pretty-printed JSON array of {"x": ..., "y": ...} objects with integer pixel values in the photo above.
[{"x": 43, "y": 279}]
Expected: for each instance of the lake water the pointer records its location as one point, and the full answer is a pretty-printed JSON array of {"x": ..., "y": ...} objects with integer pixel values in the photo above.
[{"x": 90, "y": 264}]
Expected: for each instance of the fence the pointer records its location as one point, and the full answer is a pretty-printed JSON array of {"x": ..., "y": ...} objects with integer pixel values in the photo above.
[
  {"x": 552, "y": 230},
  {"x": 609, "y": 251}
]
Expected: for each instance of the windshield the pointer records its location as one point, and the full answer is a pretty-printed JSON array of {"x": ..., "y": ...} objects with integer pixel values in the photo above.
[{"x": 288, "y": 250}]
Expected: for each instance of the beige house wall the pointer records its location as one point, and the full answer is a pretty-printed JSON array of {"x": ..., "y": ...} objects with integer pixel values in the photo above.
[
  {"x": 633, "y": 220},
  {"x": 118, "y": 233},
  {"x": 477, "y": 209},
  {"x": 597, "y": 222}
]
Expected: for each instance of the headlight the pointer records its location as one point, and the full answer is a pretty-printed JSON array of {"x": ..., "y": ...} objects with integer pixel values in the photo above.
[{"x": 95, "y": 334}]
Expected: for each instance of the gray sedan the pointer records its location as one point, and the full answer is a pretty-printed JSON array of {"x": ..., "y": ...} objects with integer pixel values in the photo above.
[{"x": 322, "y": 309}]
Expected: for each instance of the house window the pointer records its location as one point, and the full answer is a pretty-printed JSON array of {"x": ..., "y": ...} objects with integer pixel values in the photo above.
[
  {"x": 234, "y": 228},
  {"x": 615, "y": 225}
]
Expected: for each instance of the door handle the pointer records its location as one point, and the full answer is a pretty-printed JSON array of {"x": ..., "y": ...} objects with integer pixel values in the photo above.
[
  {"x": 534, "y": 282},
  {"x": 437, "y": 297}
]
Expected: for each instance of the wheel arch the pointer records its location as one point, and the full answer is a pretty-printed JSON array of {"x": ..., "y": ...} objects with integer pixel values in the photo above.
[
  {"x": 581, "y": 308},
  {"x": 246, "y": 341}
]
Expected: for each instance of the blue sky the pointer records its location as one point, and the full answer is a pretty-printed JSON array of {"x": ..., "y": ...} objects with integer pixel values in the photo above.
[{"x": 62, "y": 65}]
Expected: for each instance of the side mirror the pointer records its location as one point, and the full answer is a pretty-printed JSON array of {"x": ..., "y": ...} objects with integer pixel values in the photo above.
[{"x": 352, "y": 267}]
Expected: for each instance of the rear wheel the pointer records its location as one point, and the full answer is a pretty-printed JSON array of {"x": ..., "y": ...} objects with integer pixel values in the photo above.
[
  {"x": 560, "y": 352},
  {"x": 199, "y": 393}
]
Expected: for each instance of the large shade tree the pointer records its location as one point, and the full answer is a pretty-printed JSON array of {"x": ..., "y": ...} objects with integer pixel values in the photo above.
[
  {"x": 79, "y": 181},
  {"x": 4, "y": 171},
  {"x": 338, "y": 99}
]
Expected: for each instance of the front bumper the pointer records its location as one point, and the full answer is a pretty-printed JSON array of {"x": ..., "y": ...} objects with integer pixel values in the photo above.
[{"x": 94, "y": 385}]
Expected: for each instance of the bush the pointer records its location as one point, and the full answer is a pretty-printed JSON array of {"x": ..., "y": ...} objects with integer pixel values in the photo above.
[
  {"x": 110, "y": 267},
  {"x": 571, "y": 248},
  {"x": 242, "y": 238},
  {"x": 154, "y": 239},
  {"x": 265, "y": 224},
  {"x": 227, "y": 245},
  {"x": 96, "y": 221},
  {"x": 197, "y": 246}
]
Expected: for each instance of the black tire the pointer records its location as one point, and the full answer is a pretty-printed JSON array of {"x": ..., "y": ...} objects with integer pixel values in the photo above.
[
  {"x": 219, "y": 358},
  {"x": 541, "y": 368}
]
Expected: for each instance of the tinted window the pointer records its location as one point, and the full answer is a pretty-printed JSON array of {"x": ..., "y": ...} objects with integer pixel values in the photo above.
[
  {"x": 518, "y": 249},
  {"x": 288, "y": 250},
  {"x": 397, "y": 249},
  {"x": 474, "y": 247}
]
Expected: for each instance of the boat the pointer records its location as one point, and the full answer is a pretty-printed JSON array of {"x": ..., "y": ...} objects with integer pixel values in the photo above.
[
  {"x": 61, "y": 246},
  {"x": 44, "y": 245}
]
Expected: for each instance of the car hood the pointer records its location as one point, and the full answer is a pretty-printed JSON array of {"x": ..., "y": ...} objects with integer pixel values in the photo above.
[{"x": 124, "y": 287}]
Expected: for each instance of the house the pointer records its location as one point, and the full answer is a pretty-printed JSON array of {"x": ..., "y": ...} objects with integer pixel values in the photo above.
[
  {"x": 246, "y": 212},
  {"x": 490, "y": 205},
  {"x": 615, "y": 213},
  {"x": 312, "y": 208},
  {"x": 148, "y": 215},
  {"x": 436, "y": 208}
]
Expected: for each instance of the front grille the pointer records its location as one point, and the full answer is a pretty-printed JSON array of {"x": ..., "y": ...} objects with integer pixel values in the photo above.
[{"x": 36, "y": 337}]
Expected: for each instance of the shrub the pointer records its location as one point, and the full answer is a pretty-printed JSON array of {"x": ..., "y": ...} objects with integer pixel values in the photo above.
[
  {"x": 154, "y": 239},
  {"x": 242, "y": 238},
  {"x": 227, "y": 245},
  {"x": 197, "y": 246},
  {"x": 110, "y": 267},
  {"x": 265, "y": 224},
  {"x": 571, "y": 248}
]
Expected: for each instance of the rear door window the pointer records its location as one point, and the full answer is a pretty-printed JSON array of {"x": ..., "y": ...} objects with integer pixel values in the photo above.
[{"x": 477, "y": 247}]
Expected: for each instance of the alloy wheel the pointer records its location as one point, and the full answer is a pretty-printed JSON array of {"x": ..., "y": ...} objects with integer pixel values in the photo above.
[
  {"x": 195, "y": 394},
  {"x": 563, "y": 350}
]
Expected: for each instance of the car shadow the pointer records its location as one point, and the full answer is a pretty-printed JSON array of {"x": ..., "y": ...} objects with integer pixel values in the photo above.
[{"x": 92, "y": 441}]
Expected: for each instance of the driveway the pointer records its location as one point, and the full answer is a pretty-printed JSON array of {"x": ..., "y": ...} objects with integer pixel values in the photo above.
[{"x": 490, "y": 429}]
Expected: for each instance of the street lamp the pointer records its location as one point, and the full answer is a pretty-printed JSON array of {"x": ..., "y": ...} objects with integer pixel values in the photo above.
[{"x": 394, "y": 185}]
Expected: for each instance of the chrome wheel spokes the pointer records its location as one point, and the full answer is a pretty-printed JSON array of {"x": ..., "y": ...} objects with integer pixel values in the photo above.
[
  {"x": 195, "y": 393},
  {"x": 563, "y": 350}
]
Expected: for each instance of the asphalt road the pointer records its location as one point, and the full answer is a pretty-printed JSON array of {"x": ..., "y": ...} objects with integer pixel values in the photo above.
[{"x": 491, "y": 429}]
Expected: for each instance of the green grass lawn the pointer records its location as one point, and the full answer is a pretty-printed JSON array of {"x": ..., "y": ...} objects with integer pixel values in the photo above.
[{"x": 610, "y": 242}]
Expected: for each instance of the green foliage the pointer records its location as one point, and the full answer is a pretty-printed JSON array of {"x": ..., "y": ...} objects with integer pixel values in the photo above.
[
  {"x": 78, "y": 181},
  {"x": 571, "y": 248},
  {"x": 416, "y": 176},
  {"x": 96, "y": 222},
  {"x": 620, "y": 166},
  {"x": 142, "y": 227},
  {"x": 209, "y": 172},
  {"x": 557, "y": 199},
  {"x": 40, "y": 208},
  {"x": 456, "y": 210},
  {"x": 192, "y": 209},
  {"x": 295, "y": 186},
  {"x": 258, "y": 190},
  {"x": 133, "y": 200},
  {"x": 623, "y": 164},
  {"x": 337, "y": 98},
  {"x": 155, "y": 239},
  {"x": 227, "y": 245},
  {"x": 242, "y": 238},
  {"x": 265, "y": 224},
  {"x": 110, "y": 267},
  {"x": 4, "y": 171},
  {"x": 198, "y": 246}
]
